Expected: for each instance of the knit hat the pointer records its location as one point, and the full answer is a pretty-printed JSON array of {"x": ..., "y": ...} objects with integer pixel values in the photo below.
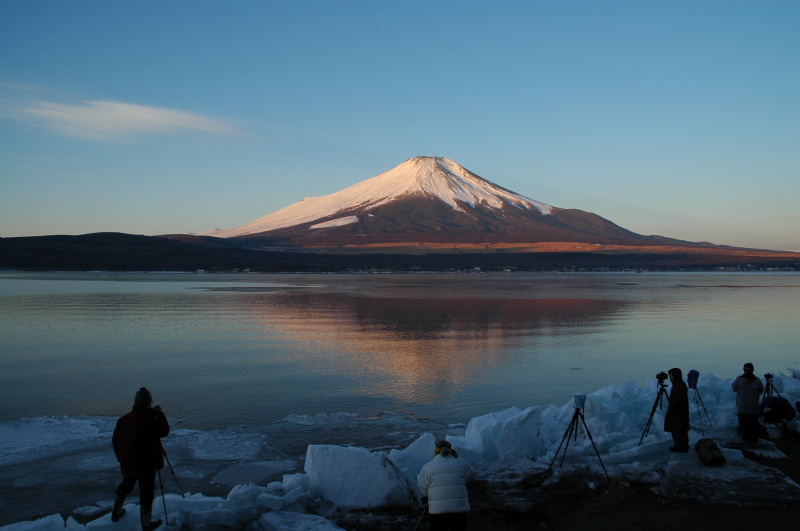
[
  {"x": 143, "y": 397},
  {"x": 443, "y": 448},
  {"x": 748, "y": 367}
]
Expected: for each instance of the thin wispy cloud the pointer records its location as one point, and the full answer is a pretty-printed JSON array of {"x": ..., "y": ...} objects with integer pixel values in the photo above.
[{"x": 113, "y": 121}]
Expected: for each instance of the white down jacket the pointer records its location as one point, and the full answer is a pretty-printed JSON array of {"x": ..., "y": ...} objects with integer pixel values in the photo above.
[{"x": 443, "y": 481}]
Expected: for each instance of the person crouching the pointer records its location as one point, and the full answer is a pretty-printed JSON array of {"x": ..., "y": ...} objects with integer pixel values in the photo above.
[{"x": 443, "y": 483}]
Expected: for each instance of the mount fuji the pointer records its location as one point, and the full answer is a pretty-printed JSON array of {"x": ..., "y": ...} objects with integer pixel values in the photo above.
[{"x": 430, "y": 200}]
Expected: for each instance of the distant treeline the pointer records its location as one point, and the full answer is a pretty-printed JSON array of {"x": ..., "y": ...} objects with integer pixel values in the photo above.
[{"x": 125, "y": 252}]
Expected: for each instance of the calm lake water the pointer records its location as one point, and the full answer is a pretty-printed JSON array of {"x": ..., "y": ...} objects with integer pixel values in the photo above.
[{"x": 229, "y": 350}]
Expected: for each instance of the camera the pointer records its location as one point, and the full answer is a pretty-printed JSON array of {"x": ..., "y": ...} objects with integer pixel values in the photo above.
[
  {"x": 768, "y": 376},
  {"x": 580, "y": 400},
  {"x": 662, "y": 376}
]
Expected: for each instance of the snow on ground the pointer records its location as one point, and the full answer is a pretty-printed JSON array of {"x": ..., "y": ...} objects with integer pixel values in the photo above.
[{"x": 508, "y": 449}]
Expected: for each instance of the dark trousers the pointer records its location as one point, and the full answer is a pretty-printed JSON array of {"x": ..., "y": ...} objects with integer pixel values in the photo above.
[
  {"x": 147, "y": 489},
  {"x": 449, "y": 522},
  {"x": 748, "y": 427},
  {"x": 680, "y": 440}
]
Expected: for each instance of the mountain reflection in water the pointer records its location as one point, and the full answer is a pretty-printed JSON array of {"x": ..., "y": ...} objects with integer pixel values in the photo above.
[
  {"x": 416, "y": 350},
  {"x": 228, "y": 350}
]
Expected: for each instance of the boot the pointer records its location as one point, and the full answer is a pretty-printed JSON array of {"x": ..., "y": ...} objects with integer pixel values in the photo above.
[
  {"x": 148, "y": 525},
  {"x": 117, "y": 511}
]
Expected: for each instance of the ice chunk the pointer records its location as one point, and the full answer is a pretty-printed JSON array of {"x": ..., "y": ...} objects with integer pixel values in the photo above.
[
  {"x": 292, "y": 481},
  {"x": 462, "y": 446},
  {"x": 282, "y": 521},
  {"x": 54, "y": 522},
  {"x": 518, "y": 436},
  {"x": 276, "y": 487},
  {"x": 244, "y": 495},
  {"x": 415, "y": 456},
  {"x": 198, "y": 502},
  {"x": 292, "y": 496},
  {"x": 269, "y": 502},
  {"x": 483, "y": 432},
  {"x": 355, "y": 478}
]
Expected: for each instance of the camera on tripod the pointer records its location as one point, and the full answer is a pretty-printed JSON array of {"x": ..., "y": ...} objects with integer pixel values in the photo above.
[
  {"x": 580, "y": 400},
  {"x": 661, "y": 377},
  {"x": 768, "y": 376}
]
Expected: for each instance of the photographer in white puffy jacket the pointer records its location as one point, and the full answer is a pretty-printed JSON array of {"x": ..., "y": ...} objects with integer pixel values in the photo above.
[{"x": 443, "y": 482}]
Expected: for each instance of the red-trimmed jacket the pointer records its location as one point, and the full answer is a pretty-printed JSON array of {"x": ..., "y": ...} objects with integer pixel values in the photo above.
[{"x": 137, "y": 441}]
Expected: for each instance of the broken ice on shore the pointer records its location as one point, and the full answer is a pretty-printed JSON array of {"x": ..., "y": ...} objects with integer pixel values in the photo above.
[{"x": 273, "y": 489}]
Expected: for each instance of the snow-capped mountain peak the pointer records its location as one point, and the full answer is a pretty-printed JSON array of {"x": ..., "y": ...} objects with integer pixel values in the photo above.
[{"x": 433, "y": 177}]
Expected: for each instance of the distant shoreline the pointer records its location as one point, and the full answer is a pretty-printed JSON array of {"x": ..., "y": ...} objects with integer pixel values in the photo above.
[{"x": 117, "y": 252}]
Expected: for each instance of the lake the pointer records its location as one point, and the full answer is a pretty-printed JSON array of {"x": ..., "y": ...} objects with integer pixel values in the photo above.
[{"x": 222, "y": 350}]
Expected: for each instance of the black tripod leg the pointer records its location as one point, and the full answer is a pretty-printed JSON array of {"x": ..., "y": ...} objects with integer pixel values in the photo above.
[
  {"x": 173, "y": 473},
  {"x": 555, "y": 456},
  {"x": 589, "y": 434},
  {"x": 163, "y": 498},
  {"x": 649, "y": 420},
  {"x": 704, "y": 409},
  {"x": 573, "y": 428},
  {"x": 699, "y": 415},
  {"x": 659, "y": 399}
]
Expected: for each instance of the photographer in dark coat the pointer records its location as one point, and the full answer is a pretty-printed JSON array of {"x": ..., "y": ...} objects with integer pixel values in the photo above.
[
  {"x": 137, "y": 445},
  {"x": 676, "y": 421}
]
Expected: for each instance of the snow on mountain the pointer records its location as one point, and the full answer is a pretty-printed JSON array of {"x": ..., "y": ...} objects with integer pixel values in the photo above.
[
  {"x": 435, "y": 177},
  {"x": 335, "y": 222}
]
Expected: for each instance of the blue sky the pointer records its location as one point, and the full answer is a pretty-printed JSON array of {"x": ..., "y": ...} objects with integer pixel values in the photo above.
[{"x": 672, "y": 118}]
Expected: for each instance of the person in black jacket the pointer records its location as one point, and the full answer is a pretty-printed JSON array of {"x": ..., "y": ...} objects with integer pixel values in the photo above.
[
  {"x": 676, "y": 421},
  {"x": 137, "y": 445}
]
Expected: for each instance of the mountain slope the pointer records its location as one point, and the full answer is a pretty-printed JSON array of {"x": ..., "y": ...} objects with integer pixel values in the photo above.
[{"x": 428, "y": 199}]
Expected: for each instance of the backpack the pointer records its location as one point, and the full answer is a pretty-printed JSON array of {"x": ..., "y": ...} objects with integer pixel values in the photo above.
[{"x": 709, "y": 453}]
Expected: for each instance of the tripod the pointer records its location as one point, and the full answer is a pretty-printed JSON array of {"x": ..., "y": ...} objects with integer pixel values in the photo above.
[
  {"x": 161, "y": 483},
  {"x": 698, "y": 401},
  {"x": 573, "y": 428},
  {"x": 172, "y": 470},
  {"x": 662, "y": 392},
  {"x": 769, "y": 389}
]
